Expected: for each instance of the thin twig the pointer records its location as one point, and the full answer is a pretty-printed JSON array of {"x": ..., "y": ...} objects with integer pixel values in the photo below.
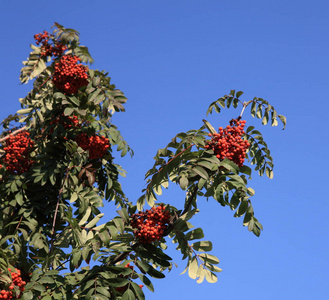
[
  {"x": 56, "y": 211},
  {"x": 19, "y": 223},
  {"x": 245, "y": 104}
]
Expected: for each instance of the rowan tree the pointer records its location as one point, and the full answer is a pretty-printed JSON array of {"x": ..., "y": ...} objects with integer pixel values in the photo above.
[{"x": 57, "y": 169}]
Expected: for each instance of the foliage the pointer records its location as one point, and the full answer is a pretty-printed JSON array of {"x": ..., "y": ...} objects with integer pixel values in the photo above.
[{"x": 51, "y": 197}]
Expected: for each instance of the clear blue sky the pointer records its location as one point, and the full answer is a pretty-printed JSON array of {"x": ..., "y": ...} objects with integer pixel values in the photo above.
[{"x": 172, "y": 59}]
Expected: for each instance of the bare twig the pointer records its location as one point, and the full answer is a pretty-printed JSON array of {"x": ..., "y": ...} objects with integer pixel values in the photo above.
[{"x": 245, "y": 104}]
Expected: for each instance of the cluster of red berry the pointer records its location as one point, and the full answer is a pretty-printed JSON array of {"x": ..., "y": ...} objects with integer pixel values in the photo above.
[
  {"x": 17, "y": 281},
  {"x": 151, "y": 224},
  {"x": 46, "y": 49},
  {"x": 95, "y": 144},
  {"x": 228, "y": 142},
  {"x": 17, "y": 152},
  {"x": 69, "y": 76}
]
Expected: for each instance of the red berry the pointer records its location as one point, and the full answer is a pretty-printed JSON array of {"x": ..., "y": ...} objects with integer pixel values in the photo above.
[
  {"x": 228, "y": 143},
  {"x": 17, "y": 153},
  {"x": 96, "y": 145},
  {"x": 69, "y": 76},
  {"x": 151, "y": 224}
]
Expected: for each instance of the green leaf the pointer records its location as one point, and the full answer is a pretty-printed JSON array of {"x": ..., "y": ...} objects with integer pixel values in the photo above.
[
  {"x": 250, "y": 191},
  {"x": 102, "y": 290},
  {"x": 250, "y": 128},
  {"x": 39, "y": 287},
  {"x": 141, "y": 202},
  {"x": 195, "y": 234},
  {"x": 259, "y": 112},
  {"x": 269, "y": 173},
  {"x": 25, "y": 111},
  {"x": 242, "y": 209},
  {"x": 150, "y": 197},
  {"x": 283, "y": 120},
  {"x": 105, "y": 237},
  {"x": 146, "y": 282},
  {"x": 46, "y": 279},
  {"x": 157, "y": 189},
  {"x": 274, "y": 118},
  {"x": 155, "y": 273},
  {"x": 238, "y": 94},
  {"x": 214, "y": 268},
  {"x": 74, "y": 197},
  {"x": 251, "y": 224},
  {"x": 188, "y": 215},
  {"x": 253, "y": 108},
  {"x": 202, "y": 246},
  {"x": 74, "y": 101},
  {"x": 207, "y": 165},
  {"x": 93, "y": 222},
  {"x": 209, "y": 127},
  {"x": 200, "y": 274},
  {"x": 96, "y": 81},
  {"x": 128, "y": 295},
  {"x": 201, "y": 183},
  {"x": 93, "y": 95},
  {"x": 123, "y": 214},
  {"x": 266, "y": 117},
  {"x": 229, "y": 102},
  {"x": 138, "y": 291},
  {"x": 68, "y": 111},
  {"x": 193, "y": 268},
  {"x": 245, "y": 170},
  {"x": 235, "y": 102},
  {"x": 85, "y": 217},
  {"x": 209, "y": 258},
  {"x": 229, "y": 165},
  {"x": 183, "y": 182},
  {"x": 210, "y": 276},
  {"x": 117, "y": 282},
  {"x": 119, "y": 224}
]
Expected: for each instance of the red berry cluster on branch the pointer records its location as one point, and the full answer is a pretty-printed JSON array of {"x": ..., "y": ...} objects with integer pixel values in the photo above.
[
  {"x": 17, "y": 152},
  {"x": 46, "y": 49},
  {"x": 41, "y": 38},
  {"x": 69, "y": 76},
  {"x": 228, "y": 142},
  {"x": 151, "y": 224},
  {"x": 95, "y": 144},
  {"x": 17, "y": 281}
]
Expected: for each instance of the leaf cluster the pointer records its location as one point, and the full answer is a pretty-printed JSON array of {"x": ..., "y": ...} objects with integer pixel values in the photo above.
[{"x": 260, "y": 108}]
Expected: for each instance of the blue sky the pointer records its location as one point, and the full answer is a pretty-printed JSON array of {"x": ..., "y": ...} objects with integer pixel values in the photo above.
[{"x": 172, "y": 59}]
